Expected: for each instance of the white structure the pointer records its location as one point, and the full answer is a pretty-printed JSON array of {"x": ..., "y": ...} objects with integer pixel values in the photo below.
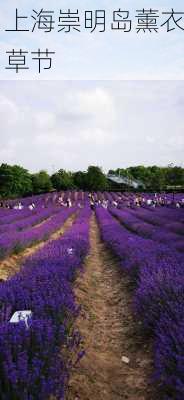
[{"x": 122, "y": 180}]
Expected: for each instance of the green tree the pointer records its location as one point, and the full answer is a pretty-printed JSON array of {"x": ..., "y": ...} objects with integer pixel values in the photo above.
[
  {"x": 80, "y": 180},
  {"x": 62, "y": 180},
  {"x": 41, "y": 182},
  {"x": 15, "y": 181},
  {"x": 96, "y": 180},
  {"x": 175, "y": 175},
  {"x": 156, "y": 178},
  {"x": 111, "y": 172}
]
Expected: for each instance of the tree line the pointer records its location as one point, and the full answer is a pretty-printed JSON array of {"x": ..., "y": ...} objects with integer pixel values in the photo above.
[
  {"x": 153, "y": 177},
  {"x": 16, "y": 181}
]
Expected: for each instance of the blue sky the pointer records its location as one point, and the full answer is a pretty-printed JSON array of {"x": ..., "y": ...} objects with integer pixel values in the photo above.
[{"x": 98, "y": 56}]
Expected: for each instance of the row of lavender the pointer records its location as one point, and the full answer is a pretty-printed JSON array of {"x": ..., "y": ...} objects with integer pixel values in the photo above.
[
  {"x": 157, "y": 229},
  {"x": 34, "y": 360},
  {"x": 130, "y": 197},
  {"x": 43, "y": 200},
  {"x": 16, "y": 241},
  {"x": 33, "y": 218},
  {"x": 76, "y": 196},
  {"x": 157, "y": 270}
]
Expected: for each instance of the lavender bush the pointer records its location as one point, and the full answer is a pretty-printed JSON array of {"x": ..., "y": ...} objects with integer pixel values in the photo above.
[
  {"x": 14, "y": 242},
  {"x": 36, "y": 218},
  {"x": 34, "y": 361},
  {"x": 161, "y": 235},
  {"x": 157, "y": 270}
]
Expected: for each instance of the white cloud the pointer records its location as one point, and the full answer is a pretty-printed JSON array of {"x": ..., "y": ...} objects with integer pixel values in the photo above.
[
  {"x": 74, "y": 124},
  {"x": 45, "y": 120}
]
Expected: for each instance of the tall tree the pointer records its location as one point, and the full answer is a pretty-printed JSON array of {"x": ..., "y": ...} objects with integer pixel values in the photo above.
[
  {"x": 15, "y": 181},
  {"x": 41, "y": 182},
  {"x": 62, "y": 180},
  {"x": 80, "y": 180},
  {"x": 175, "y": 175},
  {"x": 96, "y": 180}
]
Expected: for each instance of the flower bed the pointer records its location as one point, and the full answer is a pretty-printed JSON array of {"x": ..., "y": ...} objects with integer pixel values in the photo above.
[
  {"x": 35, "y": 218},
  {"x": 34, "y": 362},
  {"x": 159, "y": 234},
  {"x": 157, "y": 271},
  {"x": 14, "y": 242}
]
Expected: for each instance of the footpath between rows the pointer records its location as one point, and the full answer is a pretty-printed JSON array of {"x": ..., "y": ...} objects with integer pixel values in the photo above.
[{"x": 118, "y": 361}]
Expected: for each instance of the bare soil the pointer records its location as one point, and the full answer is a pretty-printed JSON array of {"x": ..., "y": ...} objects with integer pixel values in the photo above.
[
  {"x": 109, "y": 332},
  {"x": 10, "y": 265}
]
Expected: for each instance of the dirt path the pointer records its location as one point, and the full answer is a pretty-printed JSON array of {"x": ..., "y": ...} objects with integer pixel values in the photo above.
[
  {"x": 12, "y": 264},
  {"x": 109, "y": 332}
]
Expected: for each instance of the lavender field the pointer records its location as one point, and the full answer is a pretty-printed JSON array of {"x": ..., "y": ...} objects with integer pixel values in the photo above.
[{"x": 49, "y": 244}]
